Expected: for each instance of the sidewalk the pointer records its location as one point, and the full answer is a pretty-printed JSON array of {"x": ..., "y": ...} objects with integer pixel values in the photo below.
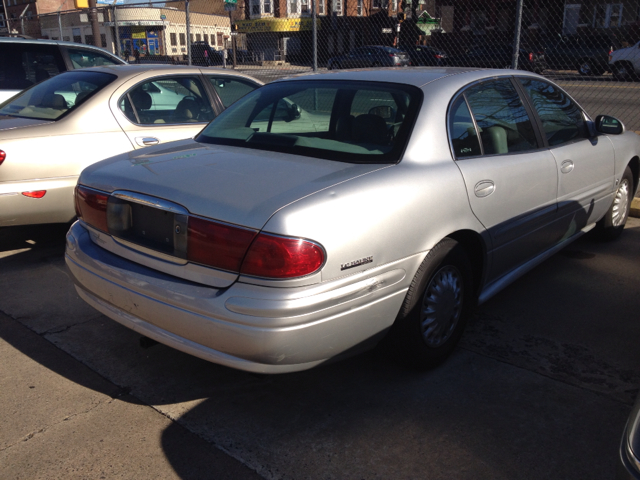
[{"x": 62, "y": 420}]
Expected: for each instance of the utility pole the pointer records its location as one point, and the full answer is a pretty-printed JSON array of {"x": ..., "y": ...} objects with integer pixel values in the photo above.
[
  {"x": 95, "y": 26},
  {"x": 6, "y": 16}
]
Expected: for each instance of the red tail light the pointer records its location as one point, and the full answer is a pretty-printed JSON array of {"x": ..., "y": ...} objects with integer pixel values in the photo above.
[
  {"x": 216, "y": 244},
  {"x": 3, "y": 155},
  {"x": 91, "y": 207},
  {"x": 438, "y": 56},
  {"x": 531, "y": 57},
  {"x": 35, "y": 194},
  {"x": 282, "y": 257}
]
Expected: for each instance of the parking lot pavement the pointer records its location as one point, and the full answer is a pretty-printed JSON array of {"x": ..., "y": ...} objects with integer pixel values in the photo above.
[{"x": 540, "y": 387}]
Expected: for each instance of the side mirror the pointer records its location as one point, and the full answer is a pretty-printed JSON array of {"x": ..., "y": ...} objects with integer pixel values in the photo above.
[
  {"x": 294, "y": 111},
  {"x": 609, "y": 125}
]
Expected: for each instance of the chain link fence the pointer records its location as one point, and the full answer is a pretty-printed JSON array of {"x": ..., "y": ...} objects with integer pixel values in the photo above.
[{"x": 589, "y": 48}]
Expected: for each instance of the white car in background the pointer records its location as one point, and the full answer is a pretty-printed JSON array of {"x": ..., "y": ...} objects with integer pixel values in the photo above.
[
  {"x": 27, "y": 61},
  {"x": 53, "y": 130},
  {"x": 625, "y": 62}
]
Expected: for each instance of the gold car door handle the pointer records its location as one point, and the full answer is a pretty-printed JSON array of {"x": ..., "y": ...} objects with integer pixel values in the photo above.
[
  {"x": 566, "y": 166},
  {"x": 146, "y": 141}
]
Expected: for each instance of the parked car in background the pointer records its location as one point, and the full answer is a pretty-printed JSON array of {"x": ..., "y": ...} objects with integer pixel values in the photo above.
[
  {"x": 629, "y": 459},
  {"x": 26, "y": 61},
  {"x": 588, "y": 54},
  {"x": 205, "y": 55},
  {"x": 499, "y": 56},
  {"x": 321, "y": 212},
  {"x": 52, "y": 130},
  {"x": 422, "y": 55},
  {"x": 370, "y": 56},
  {"x": 625, "y": 63}
]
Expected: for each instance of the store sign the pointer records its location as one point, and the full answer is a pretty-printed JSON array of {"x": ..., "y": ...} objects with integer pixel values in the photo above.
[
  {"x": 138, "y": 23},
  {"x": 277, "y": 25}
]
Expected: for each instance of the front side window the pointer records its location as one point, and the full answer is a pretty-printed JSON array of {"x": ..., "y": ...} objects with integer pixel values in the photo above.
[
  {"x": 57, "y": 96},
  {"x": 167, "y": 100},
  {"x": 503, "y": 122},
  {"x": 562, "y": 120},
  {"x": 355, "y": 122}
]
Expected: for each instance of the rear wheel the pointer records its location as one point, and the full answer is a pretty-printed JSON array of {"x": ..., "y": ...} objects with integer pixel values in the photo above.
[
  {"x": 623, "y": 71},
  {"x": 613, "y": 222},
  {"x": 435, "y": 310},
  {"x": 334, "y": 66},
  {"x": 587, "y": 68}
]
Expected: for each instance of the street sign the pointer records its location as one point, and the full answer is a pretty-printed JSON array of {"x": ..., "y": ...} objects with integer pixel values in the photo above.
[
  {"x": 163, "y": 17},
  {"x": 234, "y": 2},
  {"x": 230, "y": 7},
  {"x": 387, "y": 30}
]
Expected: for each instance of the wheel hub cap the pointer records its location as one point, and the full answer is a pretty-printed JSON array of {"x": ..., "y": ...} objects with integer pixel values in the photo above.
[
  {"x": 620, "y": 204},
  {"x": 441, "y": 306}
]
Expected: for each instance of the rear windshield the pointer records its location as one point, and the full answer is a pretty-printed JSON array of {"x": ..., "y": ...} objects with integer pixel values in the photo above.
[
  {"x": 346, "y": 121},
  {"x": 54, "y": 98}
]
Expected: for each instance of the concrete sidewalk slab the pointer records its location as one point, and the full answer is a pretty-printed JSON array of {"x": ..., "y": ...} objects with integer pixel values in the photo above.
[{"x": 72, "y": 423}]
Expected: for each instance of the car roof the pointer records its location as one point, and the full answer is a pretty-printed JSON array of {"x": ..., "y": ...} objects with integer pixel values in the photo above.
[
  {"x": 41, "y": 41},
  {"x": 416, "y": 76},
  {"x": 129, "y": 70}
]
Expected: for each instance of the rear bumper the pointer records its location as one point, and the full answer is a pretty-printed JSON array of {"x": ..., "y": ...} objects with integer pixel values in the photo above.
[{"x": 248, "y": 327}]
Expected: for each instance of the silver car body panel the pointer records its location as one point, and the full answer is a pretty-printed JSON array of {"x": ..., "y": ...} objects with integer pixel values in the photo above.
[
  {"x": 293, "y": 329},
  {"x": 390, "y": 215}
]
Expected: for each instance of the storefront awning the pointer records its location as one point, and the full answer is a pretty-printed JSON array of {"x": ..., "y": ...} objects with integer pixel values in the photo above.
[{"x": 276, "y": 25}]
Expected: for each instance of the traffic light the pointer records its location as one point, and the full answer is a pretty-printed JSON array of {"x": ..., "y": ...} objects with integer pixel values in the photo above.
[
  {"x": 400, "y": 16},
  {"x": 81, "y": 3}
]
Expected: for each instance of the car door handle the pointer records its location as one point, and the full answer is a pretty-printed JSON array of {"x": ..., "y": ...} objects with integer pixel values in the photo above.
[
  {"x": 566, "y": 166},
  {"x": 484, "y": 188},
  {"x": 146, "y": 141}
]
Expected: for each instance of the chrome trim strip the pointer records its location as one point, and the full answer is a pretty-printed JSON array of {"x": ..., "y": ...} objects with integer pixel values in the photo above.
[
  {"x": 150, "y": 201},
  {"x": 150, "y": 252}
]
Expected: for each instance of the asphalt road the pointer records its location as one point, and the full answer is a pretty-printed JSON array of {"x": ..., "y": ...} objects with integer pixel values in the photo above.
[{"x": 540, "y": 387}]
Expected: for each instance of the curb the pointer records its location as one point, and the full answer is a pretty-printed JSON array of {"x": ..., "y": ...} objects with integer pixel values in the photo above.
[{"x": 635, "y": 207}]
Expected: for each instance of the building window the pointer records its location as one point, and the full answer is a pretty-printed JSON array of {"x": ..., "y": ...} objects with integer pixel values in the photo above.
[
  {"x": 304, "y": 6},
  {"x": 173, "y": 39},
  {"x": 321, "y": 5},
  {"x": 198, "y": 37},
  {"x": 2, "y": 22},
  {"x": 183, "y": 39},
  {"x": 337, "y": 7},
  {"x": 607, "y": 15},
  {"x": 293, "y": 7},
  {"x": 360, "y": 8},
  {"x": 255, "y": 7},
  {"x": 206, "y": 38},
  {"x": 267, "y": 6},
  {"x": 394, "y": 5}
]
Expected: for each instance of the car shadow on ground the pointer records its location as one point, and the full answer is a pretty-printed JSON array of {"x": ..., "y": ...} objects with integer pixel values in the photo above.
[{"x": 472, "y": 417}]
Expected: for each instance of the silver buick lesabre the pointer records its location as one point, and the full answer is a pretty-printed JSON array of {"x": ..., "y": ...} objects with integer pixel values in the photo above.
[{"x": 320, "y": 213}]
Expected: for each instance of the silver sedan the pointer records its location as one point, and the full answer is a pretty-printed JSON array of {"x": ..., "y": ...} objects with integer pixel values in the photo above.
[
  {"x": 321, "y": 213},
  {"x": 53, "y": 130}
]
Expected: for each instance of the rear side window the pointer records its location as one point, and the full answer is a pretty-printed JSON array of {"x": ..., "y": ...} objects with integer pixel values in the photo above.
[
  {"x": 23, "y": 65},
  {"x": 562, "y": 120},
  {"x": 464, "y": 139},
  {"x": 503, "y": 122}
]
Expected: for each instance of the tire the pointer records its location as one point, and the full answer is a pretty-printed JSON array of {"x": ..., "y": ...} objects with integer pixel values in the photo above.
[
  {"x": 623, "y": 72},
  {"x": 587, "y": 68},
  {"x": 376, "y": 64},
  {"x": 335, "y": 66},
  {"x": 435, "y": 310},
  {"x": 612, "y": 224}
]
